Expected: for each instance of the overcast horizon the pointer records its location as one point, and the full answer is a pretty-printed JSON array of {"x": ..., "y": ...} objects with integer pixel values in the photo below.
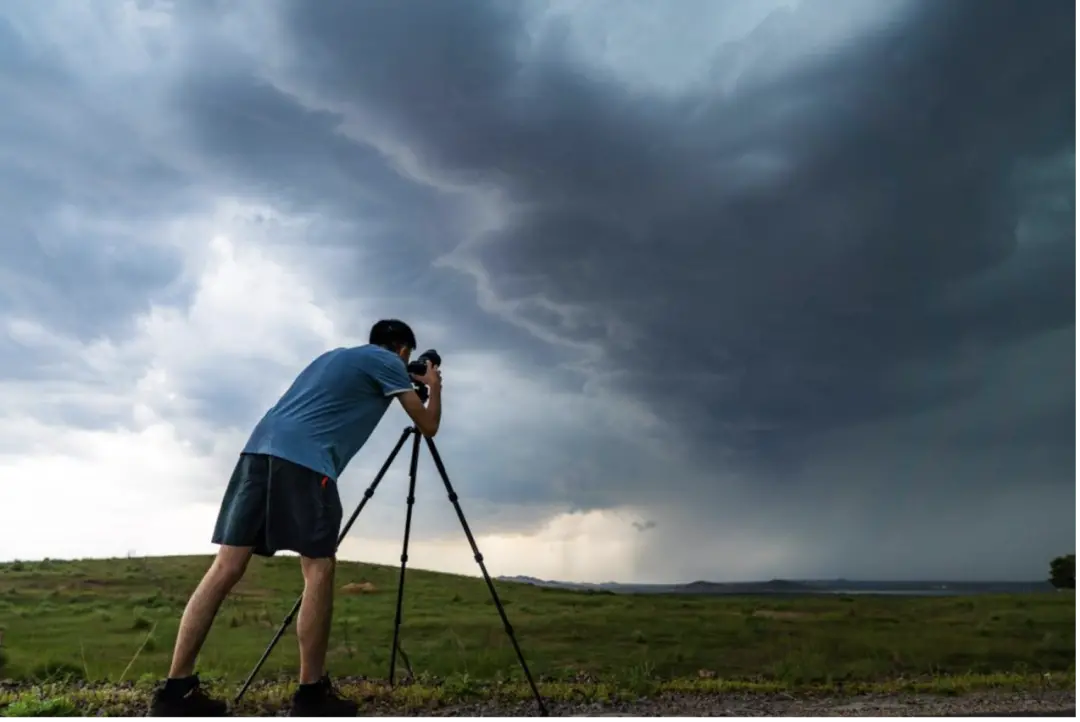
[{"x": 726, "y": 291}]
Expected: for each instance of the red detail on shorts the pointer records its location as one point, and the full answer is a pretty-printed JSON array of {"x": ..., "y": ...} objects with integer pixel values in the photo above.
[{"x": 324, "y": 480}]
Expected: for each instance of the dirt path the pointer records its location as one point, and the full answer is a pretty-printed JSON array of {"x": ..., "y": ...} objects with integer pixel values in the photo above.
[
  {"x": 127, "y": 701},
  {"x": 980, "y": 704}
]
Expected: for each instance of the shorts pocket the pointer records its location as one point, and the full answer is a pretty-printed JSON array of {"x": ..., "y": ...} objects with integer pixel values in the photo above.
[{"x": 329, "y": 508}]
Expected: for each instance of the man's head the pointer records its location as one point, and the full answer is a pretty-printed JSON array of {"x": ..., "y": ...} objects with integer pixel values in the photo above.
[{"x": 395, "y": 336}]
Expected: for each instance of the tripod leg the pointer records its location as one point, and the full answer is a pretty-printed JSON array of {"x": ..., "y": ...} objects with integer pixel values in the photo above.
[
  {"x": 487, "y": 577},
  {"x": 368, "y": 493},
  {"x": 405, "y": 550}
]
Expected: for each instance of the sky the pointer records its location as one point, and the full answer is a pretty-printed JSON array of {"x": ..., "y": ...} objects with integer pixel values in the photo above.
[{"x": 724, "y": 290}]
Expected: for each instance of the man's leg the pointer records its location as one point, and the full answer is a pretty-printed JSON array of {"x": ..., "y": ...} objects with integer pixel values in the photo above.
[
  {"x": 316, "y": 610},
  {"x": 304, "y": 516},
  {"x": 224, "y": 573},
  {"x": 240, "y": 527},
  {"x": 239, "y": 531}
]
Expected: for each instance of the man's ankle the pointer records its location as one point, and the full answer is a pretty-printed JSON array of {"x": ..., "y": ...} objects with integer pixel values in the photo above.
[
  {"x": 307, "y": 691},
  {"x": 177, "y": 687}
]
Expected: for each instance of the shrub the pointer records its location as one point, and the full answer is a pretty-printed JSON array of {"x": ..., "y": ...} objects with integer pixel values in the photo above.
[
  {"x": 1063, "y": 572},
  {"x": 56, "y": 671},
  {"x": 57, "y": 707}
]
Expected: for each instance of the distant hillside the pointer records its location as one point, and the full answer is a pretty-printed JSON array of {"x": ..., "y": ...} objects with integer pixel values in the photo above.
[{"x": 783, "y": 586}]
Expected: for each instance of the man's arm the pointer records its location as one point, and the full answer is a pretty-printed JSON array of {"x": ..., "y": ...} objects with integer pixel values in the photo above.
[
  {"x": 392, "y": 377},
  {"x": 427, "y": 417}
]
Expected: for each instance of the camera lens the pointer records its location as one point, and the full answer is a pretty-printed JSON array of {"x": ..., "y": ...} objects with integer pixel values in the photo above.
[{"x": 419, "y": 366}]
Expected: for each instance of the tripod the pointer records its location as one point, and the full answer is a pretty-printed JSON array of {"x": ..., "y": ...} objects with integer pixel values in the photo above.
[{"x": 368, "y": 493}]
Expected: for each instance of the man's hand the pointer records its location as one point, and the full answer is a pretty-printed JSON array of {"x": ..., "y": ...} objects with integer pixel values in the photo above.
[
  {"x": 431, "y": 378},
  {"x": 426, "y": 418}
]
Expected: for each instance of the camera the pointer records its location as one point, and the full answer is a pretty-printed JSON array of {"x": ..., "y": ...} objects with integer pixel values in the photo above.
[{"x": 419, "y": 367}]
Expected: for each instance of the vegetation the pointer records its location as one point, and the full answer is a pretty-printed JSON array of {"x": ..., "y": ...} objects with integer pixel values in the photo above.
[
  {"x": 115, "y": 620},
  {"x": 1063, "y": 572}
]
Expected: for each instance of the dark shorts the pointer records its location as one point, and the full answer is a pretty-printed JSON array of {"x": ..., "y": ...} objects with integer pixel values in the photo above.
[{"x": 275, "y": 505}]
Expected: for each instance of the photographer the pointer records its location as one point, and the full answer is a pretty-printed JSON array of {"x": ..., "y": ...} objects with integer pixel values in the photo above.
[{"x": 283, "y": 496}]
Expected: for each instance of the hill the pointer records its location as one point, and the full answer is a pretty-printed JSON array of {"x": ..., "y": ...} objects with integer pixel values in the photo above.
[
  {"x": 116, "y": 619},
  {"x": 784, "y": 586}
]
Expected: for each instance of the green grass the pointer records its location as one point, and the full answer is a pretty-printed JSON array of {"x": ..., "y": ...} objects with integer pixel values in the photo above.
[{"x": 115, "y": 620}]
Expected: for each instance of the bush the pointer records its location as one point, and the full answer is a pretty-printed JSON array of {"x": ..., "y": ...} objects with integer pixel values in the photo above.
[
  {"x": 1063, "y": 572},
  {"x": 147, "y": 681},
  {"x": 55, "y": 671},
  {"x": 57, "y": 707}
]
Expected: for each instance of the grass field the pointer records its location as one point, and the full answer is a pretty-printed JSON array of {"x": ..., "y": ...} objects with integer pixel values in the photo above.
[{"x": 115, "y": 620}]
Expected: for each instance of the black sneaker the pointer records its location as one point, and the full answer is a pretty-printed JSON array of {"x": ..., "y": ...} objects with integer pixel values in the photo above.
[
  {"x": 184, "y": 698},
  {"x": 321, "y": 700}
]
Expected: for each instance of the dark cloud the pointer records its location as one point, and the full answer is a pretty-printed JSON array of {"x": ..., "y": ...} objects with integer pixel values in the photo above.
[
  {"x": 90, "y": 292},
  {"x": 842, "y": 281},
  {"x": 826, "y": 248},
  {"x": 796, "y": 298},
  {"x": 63, "y": 154}
]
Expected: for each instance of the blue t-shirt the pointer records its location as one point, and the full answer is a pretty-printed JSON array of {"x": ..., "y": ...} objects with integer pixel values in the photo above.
[{"x": 331, "y": 409}]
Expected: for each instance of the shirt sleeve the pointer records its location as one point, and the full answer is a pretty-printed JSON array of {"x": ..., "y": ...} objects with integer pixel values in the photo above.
[{"x": 390, "y": 375}]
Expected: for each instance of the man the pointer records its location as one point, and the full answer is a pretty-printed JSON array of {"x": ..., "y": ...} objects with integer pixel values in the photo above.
[{"x": 283, "y": 496}]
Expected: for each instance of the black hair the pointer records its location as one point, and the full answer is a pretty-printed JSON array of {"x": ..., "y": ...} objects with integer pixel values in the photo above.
[{"x": 392, "y": 334}]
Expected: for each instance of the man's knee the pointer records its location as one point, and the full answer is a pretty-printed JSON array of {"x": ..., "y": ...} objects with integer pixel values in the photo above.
[
  {"x": 230, "y": 564},
  {"x": 317, "y": 570}
]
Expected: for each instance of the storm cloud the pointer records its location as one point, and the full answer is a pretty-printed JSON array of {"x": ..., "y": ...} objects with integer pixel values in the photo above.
[{"x": 772, "y": 289}]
